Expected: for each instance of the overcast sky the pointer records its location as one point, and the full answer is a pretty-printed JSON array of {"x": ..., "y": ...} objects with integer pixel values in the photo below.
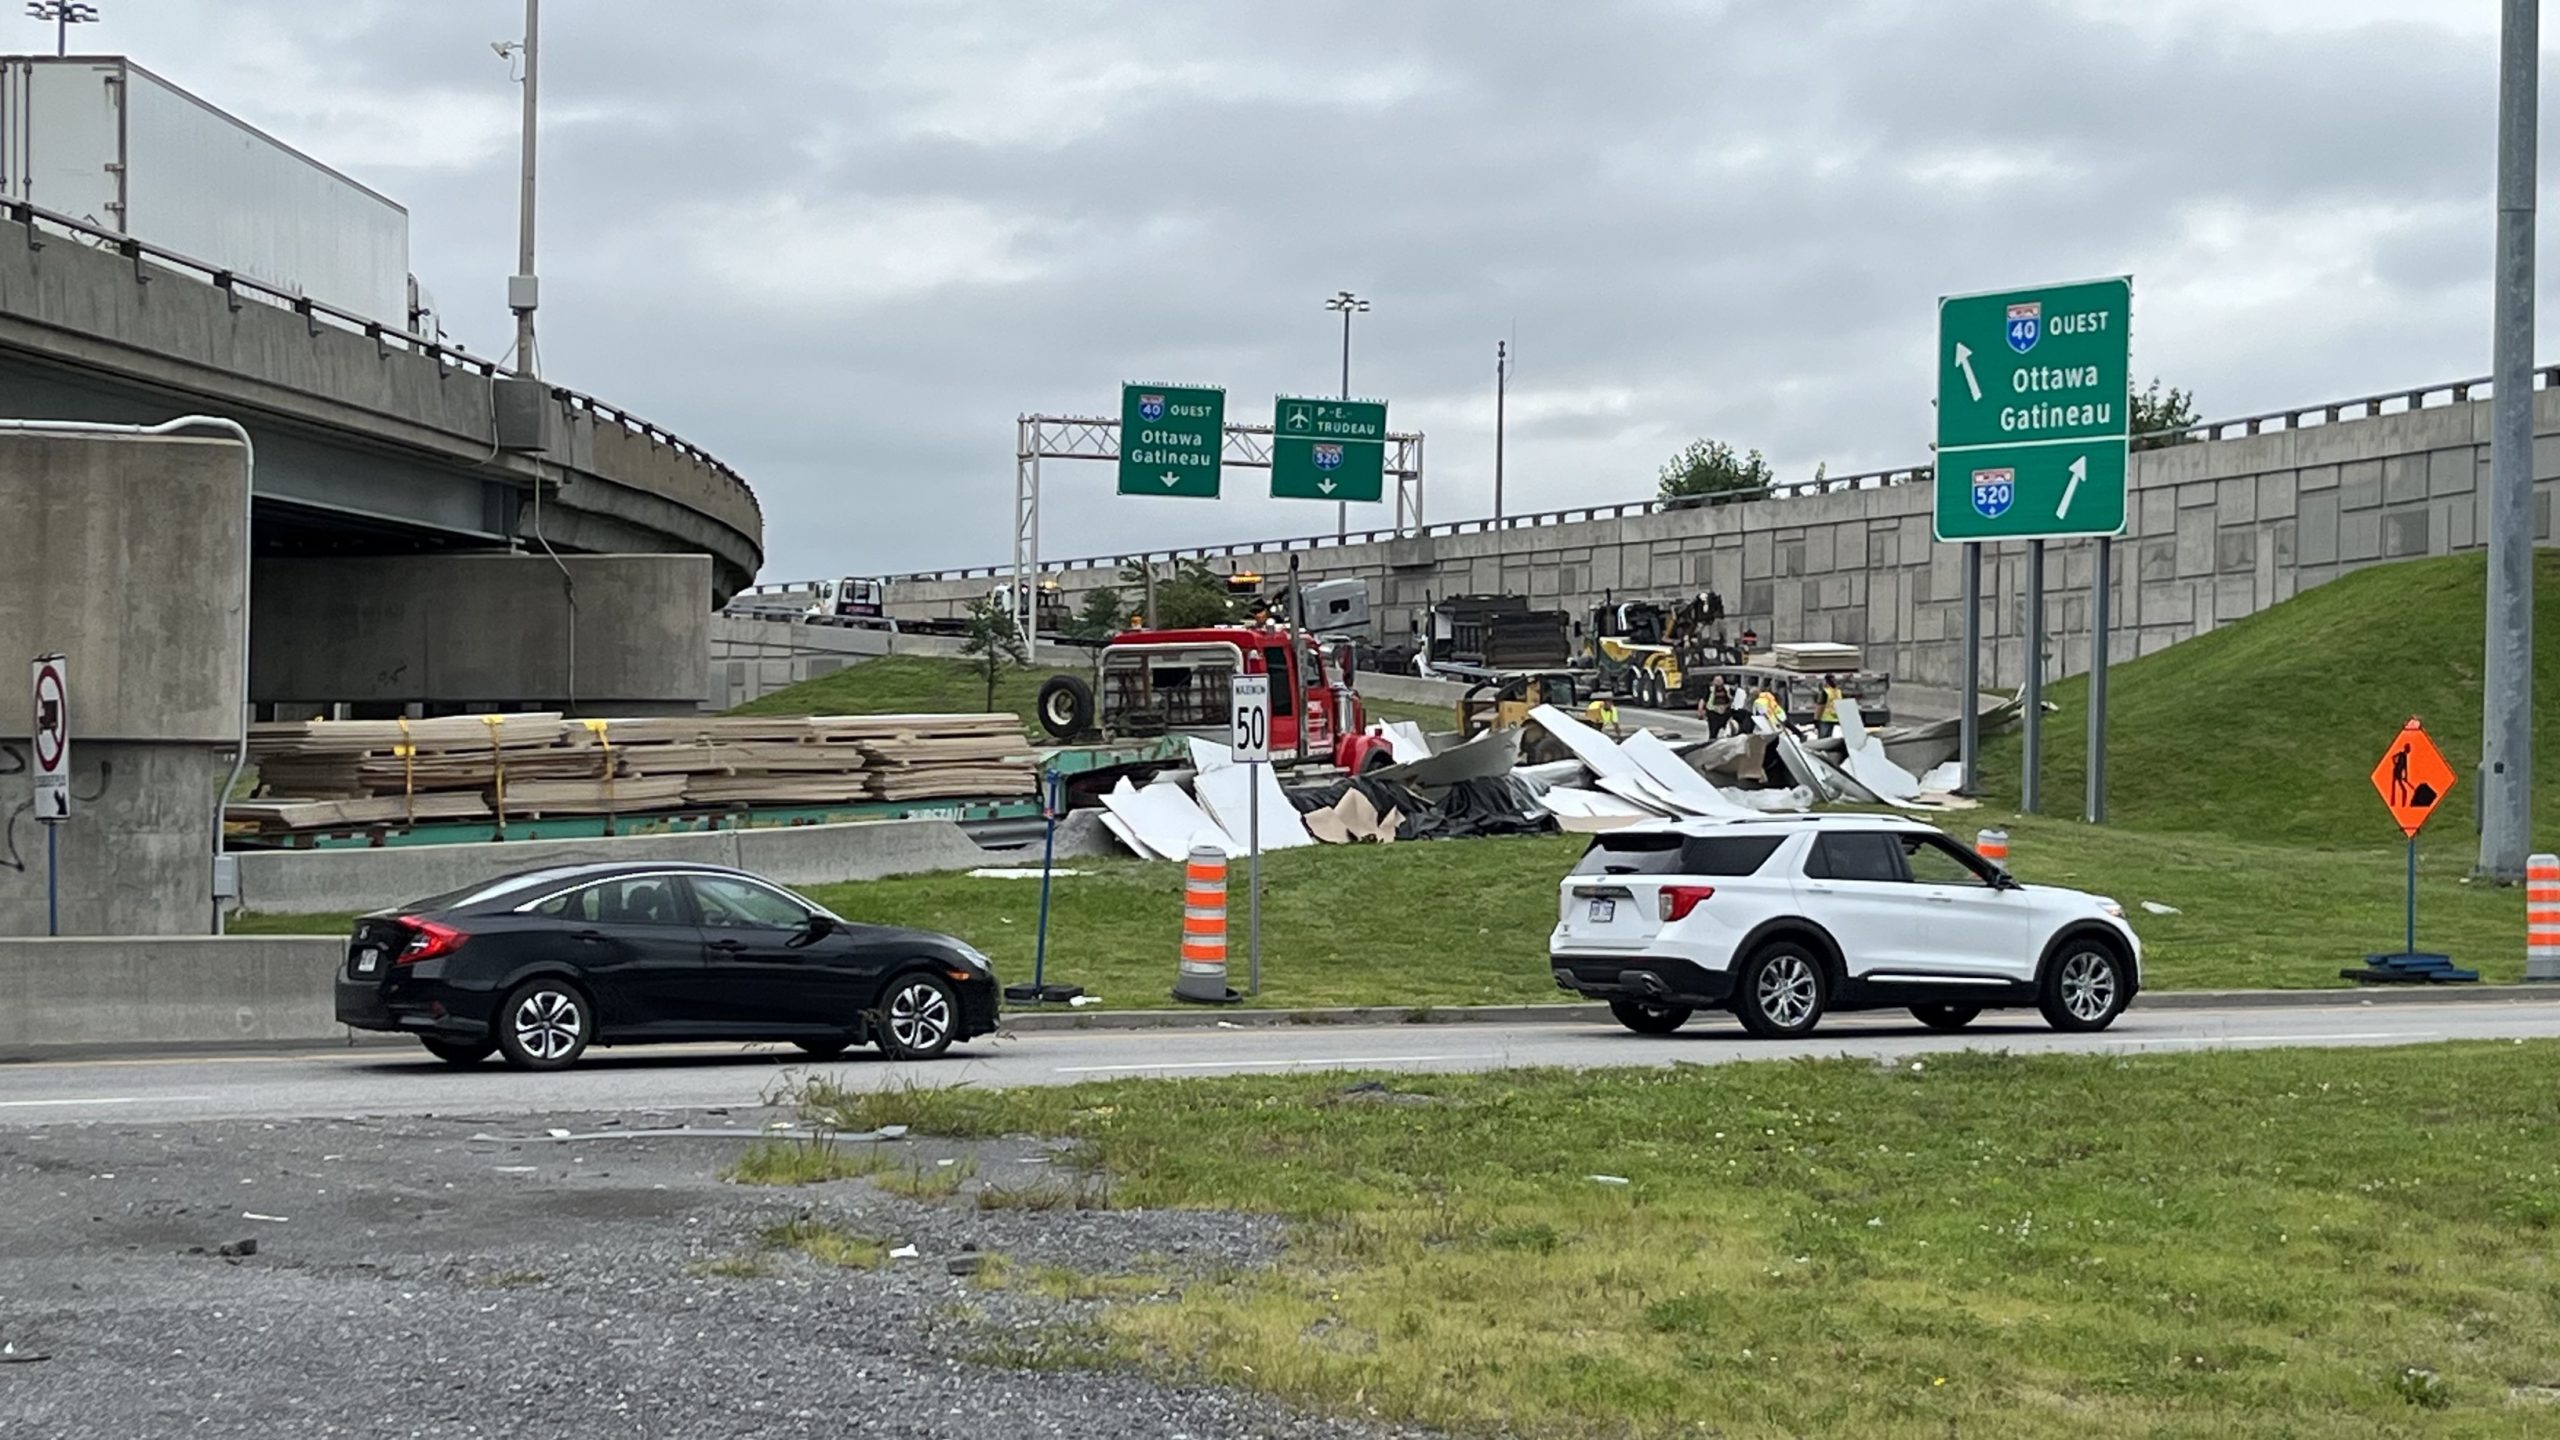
[{"x": 844, "y": 244}]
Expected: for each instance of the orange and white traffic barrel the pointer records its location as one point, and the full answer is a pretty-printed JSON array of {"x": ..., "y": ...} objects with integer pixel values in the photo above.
[
  {"x": 1202, "y": 977},
  {"x": 1993, "y": 845},
  {"x": 2542, "y": 917}
]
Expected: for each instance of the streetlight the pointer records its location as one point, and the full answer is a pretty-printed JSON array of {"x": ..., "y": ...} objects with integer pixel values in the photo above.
[
  {"x": 1350, "y": 305},
  {"x": 1501, "y": 391},
  {"x": 524, "y": 293},
  {"x": 64, "y": 14}
]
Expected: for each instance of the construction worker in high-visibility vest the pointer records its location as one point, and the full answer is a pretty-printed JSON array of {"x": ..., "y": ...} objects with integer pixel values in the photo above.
[
  {"x": 1766, "y": 702},
  {"x": 1827, "y": 722},
  {"x": 1602, "y": 715}
]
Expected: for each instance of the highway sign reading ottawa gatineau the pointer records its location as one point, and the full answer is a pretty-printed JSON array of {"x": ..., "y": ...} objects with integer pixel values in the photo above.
[
  {"x": 1170, "y": 440},
  {"x": 2034, "y": 411}
]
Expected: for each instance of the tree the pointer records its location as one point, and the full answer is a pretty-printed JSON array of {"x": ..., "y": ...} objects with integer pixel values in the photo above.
[
  {"x": 1193, "y": 595},
  {"x": 2156, "y": 410},
  {"x": 995, "y": 641},
  {"x": 1101, "y": 616},
  {"x": 1709, "y": 468}
]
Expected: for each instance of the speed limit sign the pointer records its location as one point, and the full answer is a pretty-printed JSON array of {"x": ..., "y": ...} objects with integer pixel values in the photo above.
[
  {"x": 52, "y": 739},
  {"x": 1252, "y": 738}
]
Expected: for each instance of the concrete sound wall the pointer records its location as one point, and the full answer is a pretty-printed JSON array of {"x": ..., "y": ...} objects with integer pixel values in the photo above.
[{"x": 2218, "y": 530}]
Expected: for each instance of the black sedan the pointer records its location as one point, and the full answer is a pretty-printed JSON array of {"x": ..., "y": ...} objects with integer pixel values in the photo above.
[{"x": 538, "y": 966}]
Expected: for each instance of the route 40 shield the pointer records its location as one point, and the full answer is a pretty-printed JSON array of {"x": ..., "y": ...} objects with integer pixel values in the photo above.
[
  {"x": 1151, "y": 408},
  {"x": 2026, "y": 325}
]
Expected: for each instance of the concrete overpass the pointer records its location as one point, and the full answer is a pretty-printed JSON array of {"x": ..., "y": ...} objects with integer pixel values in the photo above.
[
  {"x": 378, "y": 447},
  {"x": 2237, "y": 516},
  {"x": 422, "y": 531}
]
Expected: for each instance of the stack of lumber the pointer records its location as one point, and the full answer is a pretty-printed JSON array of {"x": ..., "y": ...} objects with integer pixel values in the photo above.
[
  {"x": 1815, "y": 656},
  {"x": 330, "y": 774}
]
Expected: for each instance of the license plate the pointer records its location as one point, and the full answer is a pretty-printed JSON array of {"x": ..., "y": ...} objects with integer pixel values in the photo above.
[
  {"x": 368, "y": 960},
  {"x": 1603, "y": 911}
]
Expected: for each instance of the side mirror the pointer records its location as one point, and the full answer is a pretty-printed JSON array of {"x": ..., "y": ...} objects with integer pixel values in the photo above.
[{"x": 818, "y": 928}]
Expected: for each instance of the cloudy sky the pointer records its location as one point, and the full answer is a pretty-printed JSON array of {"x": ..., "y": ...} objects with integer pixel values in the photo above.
[{"x": 844, "y": 244}]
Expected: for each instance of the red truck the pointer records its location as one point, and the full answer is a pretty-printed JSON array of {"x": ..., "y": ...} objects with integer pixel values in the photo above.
[{"x": 1161, "y": 682}]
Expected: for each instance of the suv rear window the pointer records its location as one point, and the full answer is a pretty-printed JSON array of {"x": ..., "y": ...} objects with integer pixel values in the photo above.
[{"x": 1658, "y": 852}]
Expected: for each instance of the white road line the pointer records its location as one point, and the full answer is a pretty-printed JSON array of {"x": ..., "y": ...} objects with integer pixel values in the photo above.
[
  {"x": 2303, "y": 1037},
  {"x": 1325, "y": 1060},
  {"x": 104, "y": 1100}
]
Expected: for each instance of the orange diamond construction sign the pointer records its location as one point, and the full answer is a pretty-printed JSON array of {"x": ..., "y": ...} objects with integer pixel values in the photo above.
[{"x": 2413, "y": 778}]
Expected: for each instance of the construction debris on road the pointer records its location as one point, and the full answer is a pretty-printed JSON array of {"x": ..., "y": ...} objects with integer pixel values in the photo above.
[{"x": 1449, "y": 785}]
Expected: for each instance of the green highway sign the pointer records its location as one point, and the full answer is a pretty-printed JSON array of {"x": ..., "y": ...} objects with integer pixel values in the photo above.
[
  {"x": 1328, "y": 449},
  {"x": 1329, "y": 419},
  {"x": 1170, "y": 439},
  {"x": 2028, "y": 492},
  {"x": 2034, "y": 411}
]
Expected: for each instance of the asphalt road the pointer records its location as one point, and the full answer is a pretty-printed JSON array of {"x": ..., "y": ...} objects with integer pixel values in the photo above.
[{"x": 391, "y": 1080}]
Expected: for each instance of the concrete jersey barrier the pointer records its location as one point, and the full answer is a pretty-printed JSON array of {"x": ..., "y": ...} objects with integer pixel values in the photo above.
[
  {"x": 143, "y": 993},
  {"x": 296, "y": 882}
]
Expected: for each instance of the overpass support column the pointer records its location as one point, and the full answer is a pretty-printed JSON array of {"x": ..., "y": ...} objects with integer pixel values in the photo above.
[{"x": 124, "y": 555}]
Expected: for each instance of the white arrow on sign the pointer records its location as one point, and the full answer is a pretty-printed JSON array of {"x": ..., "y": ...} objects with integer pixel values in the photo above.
[
  {"x": 1964, "y": 362},
  {"x": 1170, "y": 479},
  {"x": 2079, "y": 472},
  {"x": 1325, "y": 485}
]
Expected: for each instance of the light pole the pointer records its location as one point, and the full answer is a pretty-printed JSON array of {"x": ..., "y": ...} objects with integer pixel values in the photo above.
[
  {"x": 64, "y": 14},
  {"x": 524, "y": 293},
  {"x": 1501, "y": 390},
  {"x": 1350, "y": 305},
  {"x": 2506, "y": 727}
]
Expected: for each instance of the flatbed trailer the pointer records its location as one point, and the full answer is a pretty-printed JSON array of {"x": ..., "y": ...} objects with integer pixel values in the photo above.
[{"x": 1089, "y": 770}]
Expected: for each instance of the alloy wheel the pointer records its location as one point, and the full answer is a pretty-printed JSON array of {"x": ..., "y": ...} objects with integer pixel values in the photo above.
[
  {"x": 2089, "y": 986},
  {"x": 548, "y": 1024},
  {"x": 1787, "y": 991},
  {"x": 919, "y": 1017}
]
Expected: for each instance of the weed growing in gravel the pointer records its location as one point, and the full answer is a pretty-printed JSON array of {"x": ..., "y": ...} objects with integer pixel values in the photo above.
[
  {"x": 730, "y": 1267},
  {"x": 812, "y": 1161},
  {"x": 828, "y": 1244},
  {"x": 939, "y": 1180}
]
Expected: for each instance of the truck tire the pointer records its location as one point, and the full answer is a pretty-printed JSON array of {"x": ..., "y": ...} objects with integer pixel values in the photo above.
[{"x": 1066, "y": 706}]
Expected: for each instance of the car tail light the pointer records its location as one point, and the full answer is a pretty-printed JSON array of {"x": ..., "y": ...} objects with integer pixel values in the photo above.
[
  {"x": 429, "y": 940},
  {"x": 1678, "y": 900}
]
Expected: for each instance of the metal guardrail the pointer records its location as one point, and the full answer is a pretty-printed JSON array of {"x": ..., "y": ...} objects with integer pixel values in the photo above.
[
  {"x": 315, "y": 314},
  {"x": 2366, "y": 407}
]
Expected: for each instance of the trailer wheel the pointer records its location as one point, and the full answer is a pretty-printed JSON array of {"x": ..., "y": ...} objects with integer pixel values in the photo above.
[{"x": 1065, "y": 706}]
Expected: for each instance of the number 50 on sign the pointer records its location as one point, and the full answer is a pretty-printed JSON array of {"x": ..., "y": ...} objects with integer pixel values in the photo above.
[{"x": 1252, "y": 738}]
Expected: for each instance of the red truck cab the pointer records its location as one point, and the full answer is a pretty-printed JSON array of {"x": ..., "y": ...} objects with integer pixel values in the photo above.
[{"x": 1154, "y": 682}]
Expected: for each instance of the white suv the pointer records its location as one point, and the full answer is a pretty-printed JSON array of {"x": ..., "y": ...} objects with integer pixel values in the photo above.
[{"x": 1782, "y": 918}]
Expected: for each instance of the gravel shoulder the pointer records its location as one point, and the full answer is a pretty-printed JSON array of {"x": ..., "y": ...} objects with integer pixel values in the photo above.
[{"x": 411, "y": 1280}]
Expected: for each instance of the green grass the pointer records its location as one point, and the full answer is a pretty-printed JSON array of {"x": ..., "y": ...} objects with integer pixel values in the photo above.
[
  {"x": 2297, "y": 1242},
  {"x": 2268, "y": 729},
  {"x": 913, "y": 684},
  {"x": 923, "y": 1180},
  {"x": 803, "y": 1162},
  {"x": 826, "y": 1243},
  {"x": 903, "y": 685},
  {"x": 1465, "y": 922}
]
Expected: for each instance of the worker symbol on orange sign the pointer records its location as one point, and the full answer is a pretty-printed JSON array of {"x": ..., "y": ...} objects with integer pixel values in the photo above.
[{"x": 2413, "y": 778}]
